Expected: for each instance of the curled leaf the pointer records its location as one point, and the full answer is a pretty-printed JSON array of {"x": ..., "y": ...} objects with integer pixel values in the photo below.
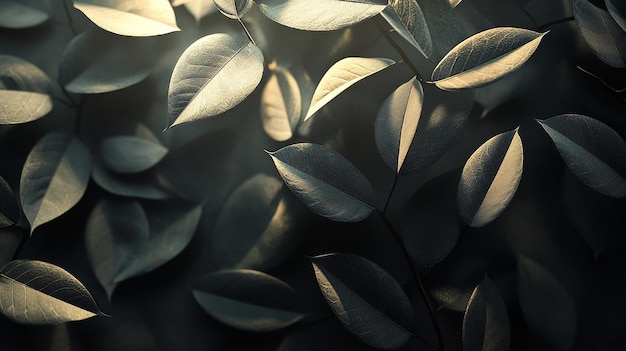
[
  {"x": 600, "y": 31},
  {"x": 18, "y": 14},
  {"x": 281, "y": 104},
  {"x": 129, "y": 154}
]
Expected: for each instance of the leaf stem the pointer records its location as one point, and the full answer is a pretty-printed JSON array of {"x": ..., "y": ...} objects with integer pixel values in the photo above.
[
  {"x": 405, "y": 58},
  {"x": 246, "y": 30},
  {"x": 545, "y": 26},
  {"x": 607, "y": 85},
  {"x": 69, "y": 18}
]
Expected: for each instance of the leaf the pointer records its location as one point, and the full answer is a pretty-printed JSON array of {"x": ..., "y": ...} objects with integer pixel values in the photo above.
[
  {"x": 200, "y": 8},
  {"x": 129, "y": 154},
  {"x": 123, "y": 241},
  {"x": 486, "y": 324},
  {"x": 397, "y": 121},
  {"x": 129, "y": 185},
  {"x": 11, "y": 238},
  {"x": 445, "y": 26},
  {"x": 130, "y": 18},
  {"x": 603, "y": 35},
  {"x": 54, "y": 177},
  {"x": 36, "y": 292},
  {"x": 593, "y": 151},
  {"x": 19, "y": 74},
  {"x": 546, "y": 304},
  {"x": 617, "y": 10},
  {"x": 213, "y": 75},
  {"x": 341, "y": 76},
  {"x": 326, "y": 182},
  {"x": 9, "y": 210},
  {"x": 281, "y": 104},
  {"x": 490, "y": 178},
  {"x": 20, "y": 14},
  {"x": 233, "y": 8},
  {"x": 407, "y": 19},
  {"x": 320, "y": 15},
  {"x": 455, "y": 3},
  {"x": 368, "y": 301},
  {"x": 248, "y": 300},
  {"x": 485, "y": 57},
  {"x": 98, "y": 62}
]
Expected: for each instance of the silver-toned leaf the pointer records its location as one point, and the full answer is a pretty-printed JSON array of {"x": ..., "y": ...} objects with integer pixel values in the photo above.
[
  {"x": 54, "y": 177},
  {"x": 233, "y": 8},
  {"x": 485, "y": 57},
  {"x": 213, "y": 75},
  {"x": 18, "y": 14},
  {"x": 140, "y": 186},
  {"x": 129, "y": 154},
  {"x": 600, "y": 31},
  {"x": 200, "y": 8},
  {"x": 326, "y": 182},
  {"x": 617, "y": 10},
  {"x": 455, "y": 3},
  {"x": 19, "y": 74},
  {"x": 281, "y": 104},
  {"x": 406, "y": 18},
  {"x": 490, "y": 178}
]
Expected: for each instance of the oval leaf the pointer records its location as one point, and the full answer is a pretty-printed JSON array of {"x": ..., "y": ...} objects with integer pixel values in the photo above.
[
  {"x": 142, "y": 186},
  {"x": 281, "y": 104},
  {"x": 130, "y": 18},
  {"x": 248, "y": 300},
  {"x": 485, "y": 57},
  {"x": 326, "y": 182},
  {"x": 36, "y": 292},
  {"x": 593, "y": 151},
  {"x": 490, "y": 178},
  {"x": 617, "y": 10},
  {"x": 341, "y": 76},
  {"x": 18, "y": 74},
  {"x": 54, "y": 177},
  {"x": 603, "y": 35},
  {"x": 368, "y": 301},
  {"x": 233, "y": 8},
  {"x": 406, "y": 18},
  {"x": 18, "y": 14},
  {"x": 397, "y": 121},
  {"x": 129, "y": 154},
  {"x": 213, "y": 75},
  {"x": 486, "y": 324},
  {"x": 320, "y": 15}
]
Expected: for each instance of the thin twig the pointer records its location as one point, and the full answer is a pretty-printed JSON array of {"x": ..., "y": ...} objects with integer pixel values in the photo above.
[
  {"x": 615, "y": 90},
  {"x": 246, "y": 30},
  {"x": 394, "y": 44}
]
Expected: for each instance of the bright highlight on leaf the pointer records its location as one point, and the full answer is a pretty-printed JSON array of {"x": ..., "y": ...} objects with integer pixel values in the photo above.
[
  {"x": 485, "y": 57},
  {"x": 326, "y": 182},
  {"x": 601, "y": 32},
  {"x": 16, "y": 14},
  {"x": 213, "y": 75},
  {"x": 406, "y": 18},
  {"x": 490, "y": 178},
  {"x": 341, "y": 76},
  {"x": 130, "y": 18},
  {"x": 36, "y": 292},
  {"x": 281, "y": 104},
  {"x": 593, "y": 151}
]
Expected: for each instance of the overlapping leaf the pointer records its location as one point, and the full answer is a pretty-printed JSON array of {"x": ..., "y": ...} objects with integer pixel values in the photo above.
[
  {"x": 54, "y": 177},
  {"x": 603, "y": 35},
  {"x": 281, "y": 104},
  {"x": 233, "y": 8},
  {"x": 593, "y": 151},
  {"x": 445, "y": 26},
  {"x": 18, "y": 14},
  {"x": 341, "y": 76},
  {"x": 142, "y": 186},
  {"x": 617, "y": 9},
  {"x": 213, "y": 75},
  {"x": 129, "y": 154},
  {"x": 325, "y": 181},
  {"x": 406, "y": 18},
  {"x": 368, "y": 301},
  {"x": 36, "y": 292},
  {"x": 248, "y": 300},
  {"x": 9, "y": 210},
  {"x": 490, "y": 178},
  {"x": 320, "y": 15},
  {"x": 485, "y": 57},
  {"x": 130, "y": 17}
]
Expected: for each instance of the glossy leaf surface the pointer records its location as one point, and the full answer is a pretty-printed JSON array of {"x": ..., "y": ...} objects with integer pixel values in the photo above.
[
  {"x": 18, "y": 14},
  {"x": 281, "y": 104},
  {"x": 603, "y": 35},
  {"x": 129, "y": 154},
  {"x": 406, "y": 18},
  {"x": 326, "y": 182}
]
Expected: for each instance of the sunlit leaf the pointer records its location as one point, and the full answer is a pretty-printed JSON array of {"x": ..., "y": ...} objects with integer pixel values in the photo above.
[
  {"x": 397, "y": 121},
  {"x": 248, "y": 300},
  {"x": 213, "y": 75},
  {"x": 603, "y": 35},
  {"x": 54, "y": 177},
  {"x": 593, "y": 151},
  {"x": 325, "y": 181},
  {"x": 455, "y": 3},
  {"x": 9, "y": 210},
  {"x": 36, "y": 292},
  {"x": 128, "y": 185},
  {"x": 486, "y": 322},
  {"x": 99, "y": 62},
  {"x": 320, "y": 15},
  {"x": 200, "y": 8},
  {"x": 233, "y": 8},
  {"x": 131, "y": 18},
  {"x": 406, "y": 18},
  {"x": 341, "y": 76},
  {"x": 281, "y": 106},
  {"x": 485, "y": 57},
  {"x": 490, "y": 178},
  {"x": 17, "y": 14},
  {"x": 368, "y": 301},
  {"x": 546, "y": 304},
  {"x": 617, "y": 9},
  {"x": 129, "y": 154}
]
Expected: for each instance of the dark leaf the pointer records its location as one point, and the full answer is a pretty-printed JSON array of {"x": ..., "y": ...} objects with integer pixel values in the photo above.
[
  {"x": 617, "y": 10},
  {"x": 10, "y": 240},
  {"x": 18, "y": 14},
  {"x": 9, "y": 210},
  {"x": 445, "y": 27},
  {"x": 129, "y": 154},
  {"x": 281, "y": 104},
  {"x": 603, "y": 35},
  {"x": 406, "y": 18},
  {"x": 18, "y": 74},
  {"x": 142, "y": 186},
  {"x": 328, "y": 335},
  {"x": 233, "y": 8}
]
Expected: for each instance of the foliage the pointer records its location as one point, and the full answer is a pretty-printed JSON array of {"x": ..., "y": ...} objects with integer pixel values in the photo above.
[{"x": 312, "y": 175}]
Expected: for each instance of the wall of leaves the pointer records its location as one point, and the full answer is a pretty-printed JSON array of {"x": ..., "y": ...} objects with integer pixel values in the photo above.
[{"x": 312, "y": 175}]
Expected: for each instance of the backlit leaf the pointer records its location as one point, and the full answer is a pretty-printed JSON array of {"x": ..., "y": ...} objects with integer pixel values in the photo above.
[
  {"x": 326, "y": 182},
  {"x": 320, "y": 15},
  {"x": 490, "y": 178},
  {"x": 200, "y": 8},
  {"x": 36, "y": 292},
  {"x": 248, "y": 300},
  {"x": 406, "y": 18},
  {"x": 131, "y": 18},
  {"x": 617, "y": 9},
  {"x": 397, "y": 121},
  {"x": 455, "y": 3},
  {"x": 17, "y": 14},
  {"x": 142, "y": 186},
  {"x": 593, "y": 151},
  {"x": 486, "y": 324},
  {"x": 341, "y": 76},
  {"x": 233, "y": 8},
  {"x": 603, "y": 35},
  {"x": 129, "y": 154},
  {"x": 9, "y": 211},
  {"x": 368, "y": 301},
  {"x": 213, "y": 75},
  {"x": 54, "y": 177},
  {"x": 99, "y": 62},
  {"x": 281, "y": 104},
  {"x": 485, "y": 57}
]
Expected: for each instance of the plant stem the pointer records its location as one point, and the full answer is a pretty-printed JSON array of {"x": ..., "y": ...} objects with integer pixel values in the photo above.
[
  {"x": 545, "y": 26},
  {"x": 394, "y": 44},
  {"x": 246, "y": 30},
  {"x": 69, "y": 18}
]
